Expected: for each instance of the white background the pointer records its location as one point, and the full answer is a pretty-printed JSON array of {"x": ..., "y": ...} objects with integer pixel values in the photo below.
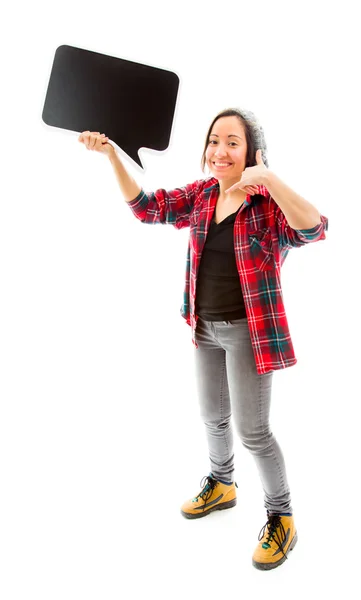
[{"x": 100, "y": 435}]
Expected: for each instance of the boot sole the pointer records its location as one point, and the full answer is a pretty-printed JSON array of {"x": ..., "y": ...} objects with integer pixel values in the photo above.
[
  {"x": 204, "y": 513},
  {"x": 269, "y": 566}
]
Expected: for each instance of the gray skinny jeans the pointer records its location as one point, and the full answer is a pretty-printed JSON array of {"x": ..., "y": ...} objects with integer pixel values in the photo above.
[{"x": 228, "y": 383}]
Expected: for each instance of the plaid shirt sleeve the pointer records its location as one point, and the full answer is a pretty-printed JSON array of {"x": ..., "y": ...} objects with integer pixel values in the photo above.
[
  {"x": 172, "y": 207},
  {"x": 294, "y": 238}
]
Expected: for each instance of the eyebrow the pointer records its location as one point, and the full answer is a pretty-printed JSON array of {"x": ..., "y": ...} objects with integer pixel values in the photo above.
[{"x": 231, "y": 135}]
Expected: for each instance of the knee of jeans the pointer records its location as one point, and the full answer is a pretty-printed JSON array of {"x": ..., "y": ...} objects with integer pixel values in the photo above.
[
  {"x": 215, "y": 421},
  {"x": 256, "y": 439}
]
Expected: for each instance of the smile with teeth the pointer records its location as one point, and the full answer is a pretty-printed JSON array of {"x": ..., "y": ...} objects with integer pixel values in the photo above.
[{"x": 221, "y": 164}]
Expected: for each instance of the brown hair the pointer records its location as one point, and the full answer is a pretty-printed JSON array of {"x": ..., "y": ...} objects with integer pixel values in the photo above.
[{"x": 251, "y": 154}]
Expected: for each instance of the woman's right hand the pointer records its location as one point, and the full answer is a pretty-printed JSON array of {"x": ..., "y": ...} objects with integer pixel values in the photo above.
[{"x": 93, "y": 140}]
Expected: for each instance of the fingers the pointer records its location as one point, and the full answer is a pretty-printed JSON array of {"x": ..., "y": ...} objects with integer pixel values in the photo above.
[
  {"x": 85, "y": 138},
  {"x": 252, "y": 189},
  {"x": 93, "y": 140},
  {"x": 100, "y": 140}
]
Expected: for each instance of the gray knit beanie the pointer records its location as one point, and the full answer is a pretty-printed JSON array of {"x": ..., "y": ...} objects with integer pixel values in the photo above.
[{"x": 257, "y": 132}]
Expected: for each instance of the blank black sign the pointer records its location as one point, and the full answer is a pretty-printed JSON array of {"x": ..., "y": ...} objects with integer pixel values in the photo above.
[{"x": 132, "y": 103}]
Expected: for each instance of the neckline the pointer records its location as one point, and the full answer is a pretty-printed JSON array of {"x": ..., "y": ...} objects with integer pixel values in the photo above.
[{"x": 228, "y": 216}]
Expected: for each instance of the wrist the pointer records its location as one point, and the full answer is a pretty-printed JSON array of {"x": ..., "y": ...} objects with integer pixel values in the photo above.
[
  {"x": 112, "y": 154},
  {"x": 268, "y": 178}
]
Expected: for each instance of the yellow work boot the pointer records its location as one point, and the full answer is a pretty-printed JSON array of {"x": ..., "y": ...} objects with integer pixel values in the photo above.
[
  {"x": 277, "y": 538},
  {"x": 215, "y": 495}
]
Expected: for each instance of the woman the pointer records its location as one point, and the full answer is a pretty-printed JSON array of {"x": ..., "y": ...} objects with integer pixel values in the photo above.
[{"x": 243, "y": 221}]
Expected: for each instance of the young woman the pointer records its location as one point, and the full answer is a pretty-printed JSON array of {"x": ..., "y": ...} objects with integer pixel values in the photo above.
[{"x": 243, "y": 221}]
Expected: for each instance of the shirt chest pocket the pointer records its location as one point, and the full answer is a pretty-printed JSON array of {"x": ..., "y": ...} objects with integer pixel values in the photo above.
[{"x": 260, "y": 241}]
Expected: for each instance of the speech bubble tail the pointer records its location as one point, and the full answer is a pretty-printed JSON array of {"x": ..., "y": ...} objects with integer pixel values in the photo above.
[
  {"x": 129, "y": 149},
  {"x": 136, "y": 159}
]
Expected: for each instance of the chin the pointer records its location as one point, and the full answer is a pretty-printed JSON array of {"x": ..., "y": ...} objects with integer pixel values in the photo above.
[
  {"x": 223, "y": 176},
  {"x": 219, "y": 176}
]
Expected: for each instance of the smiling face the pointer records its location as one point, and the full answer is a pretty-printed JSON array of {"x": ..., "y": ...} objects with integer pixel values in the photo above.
[{"x": 227, "y": 149}]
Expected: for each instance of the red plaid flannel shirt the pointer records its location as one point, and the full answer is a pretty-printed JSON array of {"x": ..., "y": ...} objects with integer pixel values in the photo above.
[{"x": 262, "y": 240}]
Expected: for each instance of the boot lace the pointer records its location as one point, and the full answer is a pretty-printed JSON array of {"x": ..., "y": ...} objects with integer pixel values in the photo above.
[
  {"x": 207, "y": 484},
  {"x": 276, "y": 532}
]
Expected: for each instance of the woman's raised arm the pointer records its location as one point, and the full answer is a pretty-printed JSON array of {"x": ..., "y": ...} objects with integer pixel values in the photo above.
[{"x": 93, "y": 140}]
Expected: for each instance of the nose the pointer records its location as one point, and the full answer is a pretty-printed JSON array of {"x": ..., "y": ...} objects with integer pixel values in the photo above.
[{"x": 220, "y": 151}]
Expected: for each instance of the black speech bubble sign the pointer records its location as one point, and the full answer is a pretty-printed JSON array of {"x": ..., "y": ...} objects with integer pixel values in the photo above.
[{"x": 132, "y": 103}]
